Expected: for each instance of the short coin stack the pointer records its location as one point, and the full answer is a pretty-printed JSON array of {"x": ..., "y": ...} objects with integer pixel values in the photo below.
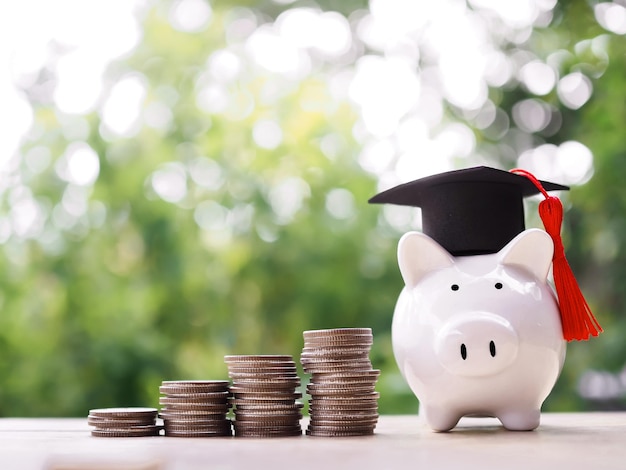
[
  {"x": 342, "y": 386},
  {"x": 123, "y": 422},
  {"x": 264, "y": 395},
  {"x": 195, "y": 408}
]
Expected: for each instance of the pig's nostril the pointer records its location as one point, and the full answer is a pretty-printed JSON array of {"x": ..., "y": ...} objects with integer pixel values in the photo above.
[
  {"x": 463, "y": 351},
  {"x": 492, "y": 348}
]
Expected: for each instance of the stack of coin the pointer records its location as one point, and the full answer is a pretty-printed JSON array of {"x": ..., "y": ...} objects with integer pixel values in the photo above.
[
  {"x": 343, "y": 400},
  {"x": 123, "y": 422},
  {"x": 195, "y": 408},
  {"x": 264, "y": 396}
]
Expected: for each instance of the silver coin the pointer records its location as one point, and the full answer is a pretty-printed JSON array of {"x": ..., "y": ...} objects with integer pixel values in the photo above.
[
  {"x": 260, "y": 401},
  {"x": 336, "y": 368},
  {"x": 181, "y": 399},
  {"x": 342, "y": 428},
  {"x": 284, "y": 394},
  {"x": 140, "y": 431},
  {"x": 346, "y": 402},
  {"x": 258, "y": 358},
  {"x": 208, "y": 385},
  {"x": 348, "y": 376},
  {"x": 336, "y": 332},
  {"x": 166, "y": 413},
  {"x": 276, "y": 382},
  {"x": 182, "y": 426},
  {"x": 266, "y": 426},
  {"x": 194, "y": 434},
  {"x": 338, "y": 338},
  {"x": 118, "y": 423},
  {"x": 316, "y": 386},
  {"x": 269, "y": 406},
  {"x": 332, "y": 433},
  {"x": 207, "y": 409},
  {"x": 356, "y": 410},
  {"x": 256, "y": 367},
  {"x": 123, "y": 412},
  {"x": 334, "y": 351},
  {"x": 331, "y": 365},
  {"x": 344, "y": 421},
  {"x": 262, "y": 375},
  {"x": 267, "y": 432},
  {"x": 360, "y": 361},
  {"x": 191, "y": 390},
  {"x": 248, "y": 414}
]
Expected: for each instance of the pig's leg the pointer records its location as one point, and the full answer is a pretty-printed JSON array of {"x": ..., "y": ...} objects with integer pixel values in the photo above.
[
  {"x": 440, "y": 419},
  {"x": 520, "y": 419}
]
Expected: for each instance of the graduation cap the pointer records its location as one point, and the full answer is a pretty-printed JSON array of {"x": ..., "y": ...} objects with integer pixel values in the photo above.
[
  {"x": 478, "y": 210},
  {"x": 469, "y": 212}
]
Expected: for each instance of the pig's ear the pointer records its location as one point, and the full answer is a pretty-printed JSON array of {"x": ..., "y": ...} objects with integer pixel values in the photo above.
[
  {"x": 530, "y": 250},
  {"x": 418, "y": 254}
]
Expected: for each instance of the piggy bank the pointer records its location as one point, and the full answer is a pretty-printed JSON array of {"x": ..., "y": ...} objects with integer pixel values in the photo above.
[{"x": 478, "y": 335}]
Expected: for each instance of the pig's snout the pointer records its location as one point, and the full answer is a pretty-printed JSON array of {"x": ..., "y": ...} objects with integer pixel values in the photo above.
[{"x": 476, "y": 344}]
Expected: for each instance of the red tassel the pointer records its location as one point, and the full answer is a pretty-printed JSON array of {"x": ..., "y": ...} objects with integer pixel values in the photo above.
[{"x": 577, "y": 319}]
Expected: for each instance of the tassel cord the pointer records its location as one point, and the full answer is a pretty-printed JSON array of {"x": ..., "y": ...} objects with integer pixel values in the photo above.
[{"x": 577, "y": 319}]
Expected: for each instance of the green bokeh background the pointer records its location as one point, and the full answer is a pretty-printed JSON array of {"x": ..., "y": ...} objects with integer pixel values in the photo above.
[{"x": 135, "y": 292}]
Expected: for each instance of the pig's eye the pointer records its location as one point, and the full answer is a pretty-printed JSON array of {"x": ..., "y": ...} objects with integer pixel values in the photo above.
[
  {"x": 498, "y": 285},
  {"x": 454, "y": 287}
]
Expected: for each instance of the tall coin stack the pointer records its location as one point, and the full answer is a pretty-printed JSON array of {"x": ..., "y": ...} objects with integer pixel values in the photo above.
[
  {"x": 264, "y": 395},
  {"x": 195, "y": 408},
  {"x": 123, "y": 422},
  {"x": 342, "y": 387}
]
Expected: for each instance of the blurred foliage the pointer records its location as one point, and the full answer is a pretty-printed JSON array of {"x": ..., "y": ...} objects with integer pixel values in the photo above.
[
  {"x": 133, "y": 291},
  {"x": 594, "y": 227}
]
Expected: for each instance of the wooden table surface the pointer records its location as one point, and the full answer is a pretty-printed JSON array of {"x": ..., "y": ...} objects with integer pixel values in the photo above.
[{"x": 564, "y": 441}]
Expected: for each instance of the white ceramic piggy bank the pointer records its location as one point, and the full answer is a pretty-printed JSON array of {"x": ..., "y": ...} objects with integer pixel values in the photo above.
[{"x": 478, "y": 335}]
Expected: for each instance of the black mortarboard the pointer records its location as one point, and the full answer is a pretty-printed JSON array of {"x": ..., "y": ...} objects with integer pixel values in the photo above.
[{"x": 469, "y": 212}]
